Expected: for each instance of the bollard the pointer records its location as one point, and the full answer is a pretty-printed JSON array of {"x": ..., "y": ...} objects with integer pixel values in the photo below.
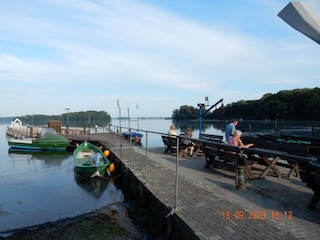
[{"x": 240, "y": 175}]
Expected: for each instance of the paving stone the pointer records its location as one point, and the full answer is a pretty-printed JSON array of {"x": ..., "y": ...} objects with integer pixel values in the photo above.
[{"x": 209, "y": 203}]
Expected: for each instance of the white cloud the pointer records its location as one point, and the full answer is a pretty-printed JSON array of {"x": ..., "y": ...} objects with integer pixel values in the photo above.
[{"x": 104, "y": 50}]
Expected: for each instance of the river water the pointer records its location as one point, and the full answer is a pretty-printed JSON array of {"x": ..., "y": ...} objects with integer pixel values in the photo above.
[{"x": 39, "y": 187}]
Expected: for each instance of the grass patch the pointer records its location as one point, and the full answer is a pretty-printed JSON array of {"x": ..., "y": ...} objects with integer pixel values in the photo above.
[{"x": 99, "y": 229}]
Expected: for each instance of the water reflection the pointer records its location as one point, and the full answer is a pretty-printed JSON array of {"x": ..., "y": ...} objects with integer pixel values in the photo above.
[
  {"x": 302, "y": 128},
  {"x": 48, "y": 158},
  {"x": 94, "y": 186},
  {"x": 206, "y": 125}
]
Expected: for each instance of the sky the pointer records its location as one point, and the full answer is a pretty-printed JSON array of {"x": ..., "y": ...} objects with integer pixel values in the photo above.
[{"x": 154, "y": 56}]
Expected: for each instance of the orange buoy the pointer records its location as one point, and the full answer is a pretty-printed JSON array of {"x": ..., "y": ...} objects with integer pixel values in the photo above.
[
  {"x": 106, "y": 153},
  {"x": 112, "y": 167}
]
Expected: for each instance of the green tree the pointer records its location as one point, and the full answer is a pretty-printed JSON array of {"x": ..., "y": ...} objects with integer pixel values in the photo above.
[
  {"x": 75, "y": 118},
  {"x": 185, "y": 112},
  {"x": 297, "y": 104}
]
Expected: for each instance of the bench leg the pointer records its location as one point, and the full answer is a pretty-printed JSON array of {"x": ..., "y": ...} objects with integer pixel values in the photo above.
[
  {"x": 209, "y": 162},
  {"x": 270, "y": 166},
  {"x": 182, "y": 152},
  {"x": 294, "y": 169},
  {"x": 247, "y": 168},
  {"x": 315, "y": 199},
  {"x": 167, "y": 149}
]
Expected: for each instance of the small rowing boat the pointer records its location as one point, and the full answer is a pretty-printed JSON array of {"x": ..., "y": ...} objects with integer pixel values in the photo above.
[{"x": 91, "y": 161}]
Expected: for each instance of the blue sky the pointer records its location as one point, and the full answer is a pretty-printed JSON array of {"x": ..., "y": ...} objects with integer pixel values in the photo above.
[{"x": 157, "y": 55}]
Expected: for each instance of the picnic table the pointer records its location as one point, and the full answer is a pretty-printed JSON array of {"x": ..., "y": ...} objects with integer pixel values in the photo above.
[{"x": 309, "y": 167}]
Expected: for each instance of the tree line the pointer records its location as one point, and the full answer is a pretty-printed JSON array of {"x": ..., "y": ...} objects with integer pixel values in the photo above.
[
  {"x": 295, "y": 105},
  {"x": 73, "y": 118}
]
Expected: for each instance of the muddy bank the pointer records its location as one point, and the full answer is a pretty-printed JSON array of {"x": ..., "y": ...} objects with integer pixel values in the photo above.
[{"x": 110, "y": 222}]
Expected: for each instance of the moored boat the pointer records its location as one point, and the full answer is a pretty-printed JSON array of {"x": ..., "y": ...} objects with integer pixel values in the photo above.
[
  {"x": 291, "y": 139},
  {"x": 34, "y": 138},
  {"x": 283, "y": 146},
  {"x": 133, "y": 135},
  {"x": 91, "y": 161}
]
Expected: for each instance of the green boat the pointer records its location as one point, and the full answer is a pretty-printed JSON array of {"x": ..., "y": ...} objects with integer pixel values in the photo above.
[
  {"x": 46, "y": 139},
  {"x": 90, "y": 161}
]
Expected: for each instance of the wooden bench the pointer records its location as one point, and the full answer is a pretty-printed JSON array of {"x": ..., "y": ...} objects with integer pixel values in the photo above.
[
  {"x": 310, "y": 174},
  {"x": 170, "y": 143},
  {"x": 299, "y": 150},
  {"x": 227, "y": 156},
  {"x": 207, "y": 137},
  {"x": 309, "y": 170},
  {"x": 211, "y": 137}
]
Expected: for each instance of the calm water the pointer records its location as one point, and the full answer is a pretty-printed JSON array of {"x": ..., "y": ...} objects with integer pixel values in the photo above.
[
  {"x": 37, "y": 188},
  {"x": 155, "y": 127}
]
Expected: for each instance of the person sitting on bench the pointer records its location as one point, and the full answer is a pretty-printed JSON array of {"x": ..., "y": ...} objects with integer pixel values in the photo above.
[
  {"x": 172, "y": 132},
  {"x": 235, "y": 140},
  {"x": 187, "y": 142}
]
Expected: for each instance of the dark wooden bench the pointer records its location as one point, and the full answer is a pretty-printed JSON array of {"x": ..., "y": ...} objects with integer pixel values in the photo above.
[
  {"x": 227, "y": 156},
  {"x": 299, "y": 150},
  {"x": 207, "y": 137},
  {"x": 309, "y": 167},
  {"x": 211, "y": 137},
  {"x": 310, "y": 174},
  {"x": 170, "y": 143}
]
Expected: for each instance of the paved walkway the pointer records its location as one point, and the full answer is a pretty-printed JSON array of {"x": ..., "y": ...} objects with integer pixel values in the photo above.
[{"x": 208, "y": 202}]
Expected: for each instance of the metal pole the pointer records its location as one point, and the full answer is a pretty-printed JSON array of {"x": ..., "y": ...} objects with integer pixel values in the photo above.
[
  {"x": 89, "y": 126},
  {"x": 120, "y": 119},
  {"x": 177, "y": 162},
  {"x": 130, "y": 147},
  {"x": 129, "y": 118},
  {"x": 137, "y": 117},
  {"x": 119, "y": 103},
  {"x": 146, "y": 159},
  {"x": 200, "y": 119},
  {"x": 67, "y": 128}
]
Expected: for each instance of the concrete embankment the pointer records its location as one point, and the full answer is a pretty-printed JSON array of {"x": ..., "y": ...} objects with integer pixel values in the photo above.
[{"x": 206, "y": 203}]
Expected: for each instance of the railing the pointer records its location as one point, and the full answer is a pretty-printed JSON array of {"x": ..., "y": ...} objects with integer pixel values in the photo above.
[
  {"x": 146, "y": 133},
  {"x": 216, "y": 141}
]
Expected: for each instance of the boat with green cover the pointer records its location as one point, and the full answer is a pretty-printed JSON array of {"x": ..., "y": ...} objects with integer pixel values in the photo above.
[
  {"x": 90, "y": 161},
  {"x": 46, "y": 139}
]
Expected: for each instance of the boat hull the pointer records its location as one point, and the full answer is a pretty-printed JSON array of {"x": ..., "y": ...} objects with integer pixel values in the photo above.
[
  {"x": 49, "y": 143},
  {"x": 294, "y": 149},
  {"x": 292, "y": 139},
  {"x": 90, "y": 161},
  {"x": 133, "y": 135}
]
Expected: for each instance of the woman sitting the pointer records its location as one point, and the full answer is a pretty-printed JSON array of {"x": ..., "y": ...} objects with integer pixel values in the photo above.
[
  {"x": 235, "y": 140},
  {"x": 187, "y": 142}
]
